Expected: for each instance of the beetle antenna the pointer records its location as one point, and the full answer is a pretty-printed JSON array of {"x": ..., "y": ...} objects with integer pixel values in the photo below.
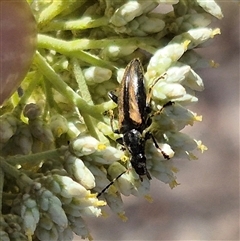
[{"x": 110, "y": 184}]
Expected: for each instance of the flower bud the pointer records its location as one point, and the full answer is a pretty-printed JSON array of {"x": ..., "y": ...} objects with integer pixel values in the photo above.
[
  {"x": 56, "y": 212},
  {"x": 79, "y": 171},
  {"x": 23, "y": 139},
  {"x": 41, "y": 131},
  {"x": 79, "y": 227},
  {"x": 4, "y": 236},
  {"x": 211, "y": 7},
  {"x": 97, "y": 74},
  {"x": 84, "y": 145},
  {"x": 71, "y": 188},
  {"x": 32, "y": 111},
  {"x": 8, "y": 126},
  {"x": 126, "y": 13},
  {"x": 47, "y": 234},
  {"x": 58, "y": 125}
]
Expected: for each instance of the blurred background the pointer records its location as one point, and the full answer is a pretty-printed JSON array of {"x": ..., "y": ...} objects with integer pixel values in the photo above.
[{"x": 206, "y": 204}]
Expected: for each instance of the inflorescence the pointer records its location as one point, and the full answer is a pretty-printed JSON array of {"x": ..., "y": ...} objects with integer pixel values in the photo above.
[{"x": 58, "y": 150}]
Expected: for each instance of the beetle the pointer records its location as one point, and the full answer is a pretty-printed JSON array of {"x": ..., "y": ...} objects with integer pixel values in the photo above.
[{"x": 134, "y": 117}]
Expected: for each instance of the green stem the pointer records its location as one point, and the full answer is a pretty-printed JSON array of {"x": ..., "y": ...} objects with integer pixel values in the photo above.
[
  {"x": 109, "y": 105},
  {"x": 48, "y": 93},
  {"x": 82, "y": 86},
  {"x": 74, "y": 47},
  {"x": 64, "y": 89},
  {"x": 51, "y": 103},
  {"x": 34, "y": 159},
  {"x": 56, "y": 8},
  {"x": 83, "y": 23},
  {"x": 84, "y": 91},
  {"x": 48, "y": 42},
  {"x": 33, "y": 79},
  {"x": 15, "y": 173},
  {"x": 72, "y": 6},
  {"x": 65, "y": 48}
]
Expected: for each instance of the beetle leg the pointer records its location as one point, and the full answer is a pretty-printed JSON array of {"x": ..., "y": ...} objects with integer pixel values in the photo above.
[
  {"x": 113, "y": 96},
  {"x": 149, "y": 135},
  {"x": 169, "y": 103},
  {"x": 120, "y": 141}
]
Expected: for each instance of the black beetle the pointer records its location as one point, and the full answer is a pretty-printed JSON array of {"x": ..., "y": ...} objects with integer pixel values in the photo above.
[{"x": 134, "y": 117}]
